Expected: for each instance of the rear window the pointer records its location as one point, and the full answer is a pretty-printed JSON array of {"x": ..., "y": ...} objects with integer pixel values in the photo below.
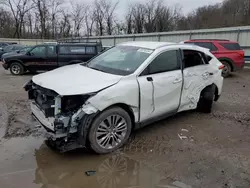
[
  {"x": 208, "y": 45},
  {"x": 231, "y": 46},
  {"x": 77, "y": 50}
]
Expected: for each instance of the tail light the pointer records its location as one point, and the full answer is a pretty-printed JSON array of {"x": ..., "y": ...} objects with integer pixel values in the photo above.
[
  {"x": 221, "y": 67},
  {"x": 242, "y": 54}
]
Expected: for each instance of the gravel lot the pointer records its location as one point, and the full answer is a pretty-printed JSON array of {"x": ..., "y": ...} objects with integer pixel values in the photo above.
[{"x": 188, "y": 150}]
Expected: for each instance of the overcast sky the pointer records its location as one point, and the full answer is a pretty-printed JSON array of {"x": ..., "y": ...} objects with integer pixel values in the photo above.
[{"x": 187, "y": 5}]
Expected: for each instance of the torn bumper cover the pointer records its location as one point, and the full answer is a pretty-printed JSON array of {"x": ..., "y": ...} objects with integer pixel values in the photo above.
[
  {"x": 61, "y": 126},
  {"x": 60, "y": 116}
]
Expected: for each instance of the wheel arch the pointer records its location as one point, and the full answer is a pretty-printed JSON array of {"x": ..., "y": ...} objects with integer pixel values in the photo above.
[
  {"x": 210, "y": 87},
  {"x": 228, "y": 60},
  {"x": 15, "y": 61},
  {"x": 128, "y": 109}
]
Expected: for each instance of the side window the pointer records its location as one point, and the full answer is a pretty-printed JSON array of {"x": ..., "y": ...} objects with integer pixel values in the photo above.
[
  {"x": 77, "y": 49},
  {"x": 51, "y": 50},
  {"x": 167, "y": 61},
  {"x": 208, "y": 45},
  {"x": 39, "y": 51},
  {"x": 231, "y": 46},
  {"x": 90, "y": 50},
  {"x": 72, "y": 50},
  {"x": 193, "y": 58}
]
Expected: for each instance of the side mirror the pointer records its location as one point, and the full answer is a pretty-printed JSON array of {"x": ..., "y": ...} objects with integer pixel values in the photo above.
[
  {"x": 28, "y": 53},
  {"x": 18, "y": 51}
]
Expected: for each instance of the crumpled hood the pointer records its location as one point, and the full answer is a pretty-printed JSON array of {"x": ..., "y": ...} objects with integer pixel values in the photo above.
[{"x": 75, "y": 80}]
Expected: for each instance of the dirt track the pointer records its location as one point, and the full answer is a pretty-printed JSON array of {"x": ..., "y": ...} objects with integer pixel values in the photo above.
[{"x": 214, "y": 154}]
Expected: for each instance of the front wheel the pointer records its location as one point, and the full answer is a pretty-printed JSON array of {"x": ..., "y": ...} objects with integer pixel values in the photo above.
[
  {"x": 16, "y": 69},
  {"x": 110, "y": 130}
]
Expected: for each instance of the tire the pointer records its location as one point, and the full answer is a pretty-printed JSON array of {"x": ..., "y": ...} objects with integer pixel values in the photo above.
[
  {"x": 111, "y": 137},
  {"x": 16, "y": 69},
  {"x": 226, "y": 72},
  {"x": 207, "y": 97}
]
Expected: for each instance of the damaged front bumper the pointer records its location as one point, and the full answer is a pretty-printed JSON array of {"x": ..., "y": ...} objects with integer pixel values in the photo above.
[
  {"x": 61, "y": 126},
  {"x": 55, "y": 113}
]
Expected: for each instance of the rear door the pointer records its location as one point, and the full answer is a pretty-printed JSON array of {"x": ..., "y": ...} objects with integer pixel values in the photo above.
[
  {"x": 160, "y": 85},
  {"x": 197, "y": 75}
]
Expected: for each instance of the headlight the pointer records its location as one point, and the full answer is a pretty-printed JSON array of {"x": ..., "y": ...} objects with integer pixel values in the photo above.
[{"x": 73, "y": 103}]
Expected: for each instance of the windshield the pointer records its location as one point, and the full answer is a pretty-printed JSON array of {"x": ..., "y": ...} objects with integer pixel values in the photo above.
[
  {"x": 25, "y": 49},
  {"x": 120, "y": 60}
]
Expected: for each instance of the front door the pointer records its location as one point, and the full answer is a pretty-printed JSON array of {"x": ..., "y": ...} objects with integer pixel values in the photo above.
[
  {"x": 37, "y": 59},
  {"x": 161, "y": 85},
  {"x": 197, "y": 75}
]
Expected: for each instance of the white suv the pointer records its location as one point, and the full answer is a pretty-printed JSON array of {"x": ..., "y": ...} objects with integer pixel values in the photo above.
[{"x": 99, "y": 103}]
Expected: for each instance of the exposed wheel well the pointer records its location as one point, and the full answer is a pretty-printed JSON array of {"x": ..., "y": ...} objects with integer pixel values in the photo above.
[
  {"x": 212, "y": 86},
  {"x": 128, "y": 110}
]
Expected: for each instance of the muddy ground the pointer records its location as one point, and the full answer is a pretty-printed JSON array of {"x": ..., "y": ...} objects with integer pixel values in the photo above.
[{"x": 190, "y": 150}]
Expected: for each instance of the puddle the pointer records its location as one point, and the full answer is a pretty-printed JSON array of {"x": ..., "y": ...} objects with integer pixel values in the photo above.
[{"x": 32, "y": 164}]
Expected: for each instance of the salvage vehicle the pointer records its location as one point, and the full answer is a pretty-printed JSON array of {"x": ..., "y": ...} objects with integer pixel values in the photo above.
[
  {"x": 99, "y": 103},
  {"x": 51, "y": 56},
  {"x": 228, "y": 52}
]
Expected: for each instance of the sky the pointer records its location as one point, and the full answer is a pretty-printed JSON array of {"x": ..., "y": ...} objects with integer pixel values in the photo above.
[{"x": 187, "y": 5}]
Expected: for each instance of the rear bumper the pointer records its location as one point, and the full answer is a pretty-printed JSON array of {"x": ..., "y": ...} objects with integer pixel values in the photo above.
[{"x": 238, "y": 66}]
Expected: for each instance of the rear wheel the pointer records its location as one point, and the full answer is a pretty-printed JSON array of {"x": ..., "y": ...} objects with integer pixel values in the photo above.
[
  {"x": 16, "y": 69},
  {"x": 110, "y": 130},
  {"x": 227, "y": 69}
]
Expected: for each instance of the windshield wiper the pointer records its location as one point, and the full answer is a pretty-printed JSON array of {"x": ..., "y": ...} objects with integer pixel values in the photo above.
[{"x": 96, "y": 69}]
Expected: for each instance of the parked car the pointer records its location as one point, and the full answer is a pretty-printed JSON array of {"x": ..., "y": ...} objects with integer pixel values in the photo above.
[
  {"x": 99, "y": 103},
  {"x": 22, "y": 50},
  {"x": 10, "y": 48},
  {"x": 48, "y": 57},
  {"x": 228, "y": 52}
]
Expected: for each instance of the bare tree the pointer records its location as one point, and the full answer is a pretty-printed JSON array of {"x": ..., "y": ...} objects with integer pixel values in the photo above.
[
  {"x": 55, "y": 9},
  {"x": 138, "y": 13},
  {"x": 65, "y": 25},
  {"x": 18, "y": 8},
  {"x": 109, "y": 10},
  {"x": 78, "y": 16},
  {"x": 129, "y": 22},
  {"x": 99, "y": 17},
  {"x": 89, "y": 21}
]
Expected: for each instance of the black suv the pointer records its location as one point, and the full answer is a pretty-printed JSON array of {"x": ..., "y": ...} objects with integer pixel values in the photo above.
[{"x": 50, "y": 56}]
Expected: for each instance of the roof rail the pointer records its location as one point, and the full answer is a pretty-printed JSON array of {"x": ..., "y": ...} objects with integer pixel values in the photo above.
[
  {"x": 212, "y": 39},
  {"x": 77, "y": 40}
]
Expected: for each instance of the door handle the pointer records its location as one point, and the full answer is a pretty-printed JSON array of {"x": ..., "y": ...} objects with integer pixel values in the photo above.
[
  {"x": 208, "y": 74},
  {"x": 177, "y": 80},
  {"x": 150, "y": 79}
]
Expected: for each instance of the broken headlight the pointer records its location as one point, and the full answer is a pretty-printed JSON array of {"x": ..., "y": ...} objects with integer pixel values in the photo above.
[{"x": 73, "y": 103}]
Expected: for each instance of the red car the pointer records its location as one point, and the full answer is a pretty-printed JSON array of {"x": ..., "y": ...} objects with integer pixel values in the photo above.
[{"x": 228, "y": 52}]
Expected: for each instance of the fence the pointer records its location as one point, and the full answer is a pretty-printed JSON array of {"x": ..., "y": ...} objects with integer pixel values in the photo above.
[{"x": 239, "y": 34}]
